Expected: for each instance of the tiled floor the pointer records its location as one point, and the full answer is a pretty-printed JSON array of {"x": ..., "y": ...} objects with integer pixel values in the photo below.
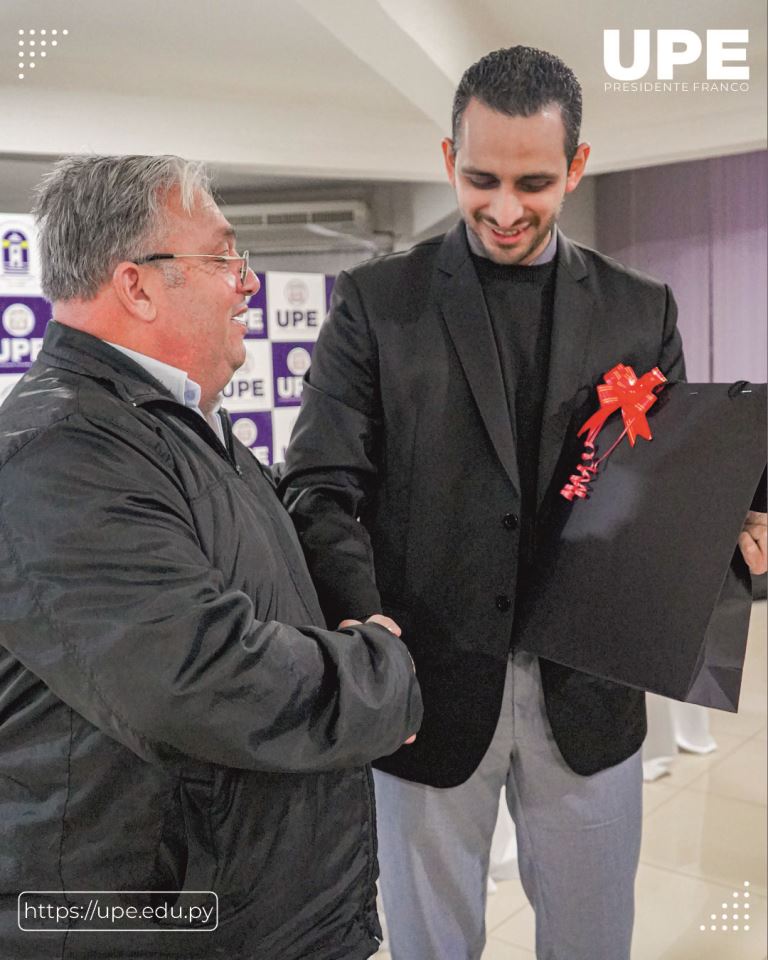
[{"x": 704, "y": 835}]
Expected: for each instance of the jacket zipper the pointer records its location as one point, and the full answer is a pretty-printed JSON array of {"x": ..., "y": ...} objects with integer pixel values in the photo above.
[{"x": 198, "y": 424}]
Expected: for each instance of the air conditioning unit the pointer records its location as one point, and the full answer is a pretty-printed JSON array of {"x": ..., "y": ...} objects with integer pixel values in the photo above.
[{"x": 305, "y": 227}]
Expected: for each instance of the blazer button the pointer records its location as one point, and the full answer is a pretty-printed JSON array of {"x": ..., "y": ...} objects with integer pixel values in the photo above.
[
  {"x": 510, "y": 521},
  {"x": 503, "y": 603}
]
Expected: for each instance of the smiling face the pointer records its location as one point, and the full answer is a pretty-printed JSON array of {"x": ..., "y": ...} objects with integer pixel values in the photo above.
[
  {"x": 511, "y": 175},
  {"x": 201, "y": 303}
]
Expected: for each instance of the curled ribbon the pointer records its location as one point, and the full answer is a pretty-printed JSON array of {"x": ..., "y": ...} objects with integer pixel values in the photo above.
[{"x": 622, "y": 390}]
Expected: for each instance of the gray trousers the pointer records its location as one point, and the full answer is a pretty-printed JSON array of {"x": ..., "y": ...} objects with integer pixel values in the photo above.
[{"x": 578, "y": 841}]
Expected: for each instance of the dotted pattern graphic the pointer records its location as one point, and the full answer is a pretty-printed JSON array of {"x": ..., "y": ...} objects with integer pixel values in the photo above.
[
  {"x": 735, "y": 921},
  {"x": 34, "y": 45}
]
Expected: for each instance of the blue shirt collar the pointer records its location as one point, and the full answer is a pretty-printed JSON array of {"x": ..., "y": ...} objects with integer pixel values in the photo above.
[{"x": 183, "y": 389}]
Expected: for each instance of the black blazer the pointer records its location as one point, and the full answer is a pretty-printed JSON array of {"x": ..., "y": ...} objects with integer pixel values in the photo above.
[{"x": 402, "y": 479}]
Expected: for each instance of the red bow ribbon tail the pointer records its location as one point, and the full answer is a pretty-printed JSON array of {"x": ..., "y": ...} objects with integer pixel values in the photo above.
[
  {"x": 577, "y": 482},
  {"x": 621, "y": 391}
]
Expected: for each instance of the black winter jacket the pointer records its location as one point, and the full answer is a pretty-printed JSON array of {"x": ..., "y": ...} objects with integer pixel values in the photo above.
[{"x": 173, "y": 714}]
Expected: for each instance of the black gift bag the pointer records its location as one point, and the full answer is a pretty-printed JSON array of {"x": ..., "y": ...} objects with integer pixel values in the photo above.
[{"x": 643, "y": 583}]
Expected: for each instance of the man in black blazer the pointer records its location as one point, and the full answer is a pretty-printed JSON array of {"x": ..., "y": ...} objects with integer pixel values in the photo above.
[{"x": 438, "y": 424}]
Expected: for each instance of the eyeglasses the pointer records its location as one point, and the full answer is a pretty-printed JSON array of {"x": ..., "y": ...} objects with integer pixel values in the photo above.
[{"x": 219, "y": 258}]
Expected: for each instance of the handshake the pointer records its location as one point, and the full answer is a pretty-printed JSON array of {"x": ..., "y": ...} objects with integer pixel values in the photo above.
[{"x": 389, "y": 624}]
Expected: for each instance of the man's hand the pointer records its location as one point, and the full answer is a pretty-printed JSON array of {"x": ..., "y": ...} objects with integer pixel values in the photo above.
[
  {"x": 389, "y": 624},
  {"x": 752, "y": 541},
  {"x": 386, "y": 622}
]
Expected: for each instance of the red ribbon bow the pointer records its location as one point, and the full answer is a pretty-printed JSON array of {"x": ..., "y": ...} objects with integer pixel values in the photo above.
[{"x": 623, "y": 391}]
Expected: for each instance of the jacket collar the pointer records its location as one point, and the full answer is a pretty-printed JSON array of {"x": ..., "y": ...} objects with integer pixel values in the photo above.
[
  {"x": 574, "y": 311},
  {"x": 85, "y": 354},
  {"x": 461, "y": 300}
]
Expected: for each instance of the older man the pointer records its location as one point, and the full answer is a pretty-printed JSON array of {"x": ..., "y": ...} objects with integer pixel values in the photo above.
[{"x": 173, "y": 714}]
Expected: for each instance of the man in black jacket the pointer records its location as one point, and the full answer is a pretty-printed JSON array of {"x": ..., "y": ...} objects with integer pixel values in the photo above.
[
  {"x": 174, "y": 716},
  {"x": 438, "y": 424}
]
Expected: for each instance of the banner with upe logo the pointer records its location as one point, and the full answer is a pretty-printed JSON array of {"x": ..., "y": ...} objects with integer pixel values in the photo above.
[
  {"x": 264, "y": 396},
  {"x": 19, "y": 264}
]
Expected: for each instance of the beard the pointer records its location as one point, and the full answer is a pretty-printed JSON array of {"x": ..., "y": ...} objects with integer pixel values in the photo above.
[{"x": 540, "y": 233}]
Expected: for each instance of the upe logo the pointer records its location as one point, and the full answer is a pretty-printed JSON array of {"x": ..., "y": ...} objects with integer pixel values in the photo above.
[
  {"x": 296, "y": 292},
  {"x": 18, "y": 320},
  {"x": 15, "y": 247},
  {"x": 677, "y": 48},
  {"x": 298, "y": 361},
  {"x": 246, "y": 431}
]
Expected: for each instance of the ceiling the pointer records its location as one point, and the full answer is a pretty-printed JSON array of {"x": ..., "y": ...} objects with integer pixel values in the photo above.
[{"x": 309, "y": 98}]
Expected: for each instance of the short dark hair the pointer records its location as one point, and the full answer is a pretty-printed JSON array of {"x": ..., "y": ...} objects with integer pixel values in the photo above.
[{"x": 521, "y": 81}]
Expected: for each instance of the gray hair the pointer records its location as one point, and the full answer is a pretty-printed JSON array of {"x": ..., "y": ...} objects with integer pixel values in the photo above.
[{"x": 95, "y": 211}]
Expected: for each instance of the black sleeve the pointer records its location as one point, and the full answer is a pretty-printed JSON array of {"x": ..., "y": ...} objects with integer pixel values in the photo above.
[
  {"x": 107, "y": 596},
  {"x": 671, "y": 361},
  {"x": 759, "y": 499},
  {"x": 333, "y": 461}
]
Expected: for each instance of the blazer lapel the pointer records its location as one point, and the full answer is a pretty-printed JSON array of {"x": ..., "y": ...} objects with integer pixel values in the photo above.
[
  {"x": 574, "y": 309},
  {"x": 461, "y": 300}
]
